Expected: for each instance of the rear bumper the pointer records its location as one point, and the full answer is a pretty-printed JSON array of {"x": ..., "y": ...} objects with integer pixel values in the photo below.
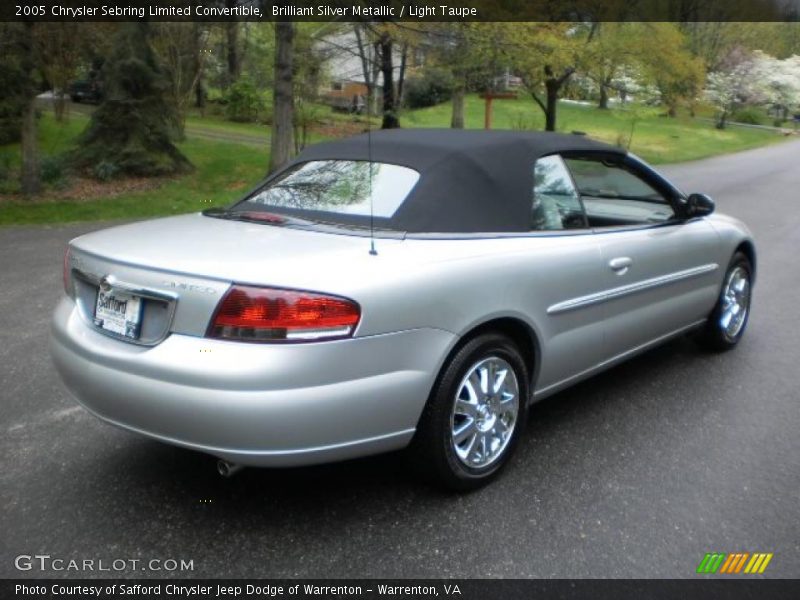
[{"x": 255, "y": 404}]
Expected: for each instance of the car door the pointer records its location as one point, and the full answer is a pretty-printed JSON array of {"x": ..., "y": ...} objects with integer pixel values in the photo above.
[
  {"x": 563, "y": 263},
  {"x": 659, "y": 270}
]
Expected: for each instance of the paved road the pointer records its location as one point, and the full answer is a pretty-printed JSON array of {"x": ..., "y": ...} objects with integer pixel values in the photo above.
[{"x": 636, "y": 473}]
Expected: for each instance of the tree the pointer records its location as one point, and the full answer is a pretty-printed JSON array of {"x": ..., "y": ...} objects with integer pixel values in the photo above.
[
  {"x": 377, "y": 44},
  {"x": 181, "y": 50},
  {"x": 545, "y": 56},
  {"x": 31, "y": 183},
  {"x": 233, "y": 58},
  {"x": 733, "y": 85},
  {"x": 132, "y": 131},
  {"x": 12, "y": 102},
  {"x": 458, "y": 44},
  {"x": 59, "y": 57},
  {"x": 668, "y": 64},
  {"x": 12, "y": 83},
  {"x": 610, "y": 59},
  {"x": 370, "y": 67},
  {"x": 778, "y": 81},
  {"x": 473, "y": 55},
  {"x": 391, "y": 120},
  {"x": 283, "y": 96},
  {"x": 308, "y": 74},
  {"x": 18, "y": 73}
]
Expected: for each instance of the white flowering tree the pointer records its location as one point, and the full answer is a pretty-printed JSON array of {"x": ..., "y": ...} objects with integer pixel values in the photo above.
[
  {"x": 779, "y": 82},
  {"x": 734, "y": 85},
  {"x": 755, "y": 79}
]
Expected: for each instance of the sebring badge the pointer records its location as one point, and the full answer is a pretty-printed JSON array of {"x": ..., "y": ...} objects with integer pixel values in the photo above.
[{"x": 189, "y": 287}]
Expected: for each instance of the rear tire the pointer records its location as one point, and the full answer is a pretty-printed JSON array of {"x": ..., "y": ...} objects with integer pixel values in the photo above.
[
  {"x": 728, "y": 320},
  {"x": 475, "y": 415}
]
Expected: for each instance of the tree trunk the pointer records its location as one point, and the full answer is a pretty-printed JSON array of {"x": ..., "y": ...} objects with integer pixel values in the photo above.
[
  {"x": 232, "y": 46},
  {"x": 59, "y": 106},
  {"x": 199, "y": 68},
  {"x": 376, "y": 69},
  {"x": 552, "y": 86},
  {"x": 721, "y": 121},
  {"x": 390, "y": 119},
  {"x": 30, "y": 180},
  {"x": 457, "y": 120},
  {"x": 368, "y": 68},
  {"x": 200, "y": 96},
  {"x": 603, "y": 97},
  {"x": 401, "y": 77},
  {"x": 31, "y": 183},
  {"x": 283, "y": 97}
]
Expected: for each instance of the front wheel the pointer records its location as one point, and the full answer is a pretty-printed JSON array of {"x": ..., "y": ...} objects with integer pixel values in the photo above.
[
  {"x": 475, "y": 414},
  {"x": 729, "y": 318}
]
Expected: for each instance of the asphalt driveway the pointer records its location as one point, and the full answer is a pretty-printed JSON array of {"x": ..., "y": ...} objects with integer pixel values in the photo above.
[{"x": 636, "y": 473}]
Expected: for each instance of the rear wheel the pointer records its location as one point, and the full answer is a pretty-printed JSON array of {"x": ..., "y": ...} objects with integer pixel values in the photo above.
[
  {"x": 728, "y": 320},
  {"x": 475, "y": 414}
]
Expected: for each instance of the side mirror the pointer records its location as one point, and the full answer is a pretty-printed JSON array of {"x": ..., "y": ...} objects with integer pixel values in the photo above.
[{"x": 699, "y": 205}]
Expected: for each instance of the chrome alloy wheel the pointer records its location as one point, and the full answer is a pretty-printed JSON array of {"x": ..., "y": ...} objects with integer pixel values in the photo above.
[
  {"x": 484, "y": 412},
  {"x": 735, "y": 302}
]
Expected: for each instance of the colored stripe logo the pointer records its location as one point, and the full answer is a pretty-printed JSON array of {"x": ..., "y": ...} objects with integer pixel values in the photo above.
[{"x": 734, "y": 563}]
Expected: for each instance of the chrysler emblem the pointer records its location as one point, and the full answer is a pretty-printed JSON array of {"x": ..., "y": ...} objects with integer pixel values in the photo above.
[{"x": 106, "y": 282}]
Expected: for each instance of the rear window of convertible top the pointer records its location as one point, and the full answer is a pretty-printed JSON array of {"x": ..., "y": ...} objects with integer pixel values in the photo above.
[{"x": 339, "y": 187}]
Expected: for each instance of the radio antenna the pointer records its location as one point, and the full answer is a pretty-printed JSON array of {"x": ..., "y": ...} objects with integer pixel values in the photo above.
[{"x": 372, "y": 250}]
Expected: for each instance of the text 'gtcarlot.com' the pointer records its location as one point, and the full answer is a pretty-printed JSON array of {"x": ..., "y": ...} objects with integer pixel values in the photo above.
[{"x": 46, "y": 562}]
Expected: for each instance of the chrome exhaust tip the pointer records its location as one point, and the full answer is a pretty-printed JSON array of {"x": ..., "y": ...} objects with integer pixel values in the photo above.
[{"x": 228, "y": 469}]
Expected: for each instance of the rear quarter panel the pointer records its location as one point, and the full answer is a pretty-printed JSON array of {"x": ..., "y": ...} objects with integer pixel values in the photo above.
[{"x": 457, "y": 285}]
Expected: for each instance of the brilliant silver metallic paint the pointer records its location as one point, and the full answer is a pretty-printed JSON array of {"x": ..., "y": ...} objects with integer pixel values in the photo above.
[{"x": 302, "y": 403}]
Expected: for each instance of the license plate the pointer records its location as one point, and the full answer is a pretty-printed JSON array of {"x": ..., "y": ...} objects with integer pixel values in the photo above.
[{"x": 119, "y": 313}]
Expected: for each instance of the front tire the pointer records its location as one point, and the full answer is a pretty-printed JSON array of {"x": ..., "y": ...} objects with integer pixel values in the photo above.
[
  {"x": 728, "y": 320},
  {"x": 475, "y": 415}
]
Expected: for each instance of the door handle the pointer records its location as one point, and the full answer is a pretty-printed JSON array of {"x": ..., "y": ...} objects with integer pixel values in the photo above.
[{"x": 620, "y": 264}]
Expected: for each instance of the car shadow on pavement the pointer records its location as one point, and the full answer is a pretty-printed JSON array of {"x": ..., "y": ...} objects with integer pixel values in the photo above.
[{"x": 557, "y": 427}]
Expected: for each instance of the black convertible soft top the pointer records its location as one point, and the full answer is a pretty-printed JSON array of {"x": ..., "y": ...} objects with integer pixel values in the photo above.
[{"x": 471, "y": 181}]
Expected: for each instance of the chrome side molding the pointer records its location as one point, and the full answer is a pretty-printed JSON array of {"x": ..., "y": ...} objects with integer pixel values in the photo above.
[{"x": 631, "y": 288}]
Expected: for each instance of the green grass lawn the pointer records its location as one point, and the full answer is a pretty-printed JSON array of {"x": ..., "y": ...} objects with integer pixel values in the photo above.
[
  {"x": 224, "y": 169},
  {"x": 657, "y": 139},
  {"x": 219, "y": 124}
]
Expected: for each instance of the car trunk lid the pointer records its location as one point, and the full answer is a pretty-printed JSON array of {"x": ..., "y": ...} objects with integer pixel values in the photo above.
[{"x": 182, "y": 266}]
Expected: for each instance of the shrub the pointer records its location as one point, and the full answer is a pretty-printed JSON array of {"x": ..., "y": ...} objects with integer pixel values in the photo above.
[
  {"x": 243, "y": 102},
  {"x": 11, "y": 103},
  {"x": 433, "y": 87},
  {"x": 5, "y": 167},
  {"x": 10, "y": 127},
  {"x": 53, "y": 169},
  {"x": 105, "y": 170},
  {"x": 749, "y": 115}
]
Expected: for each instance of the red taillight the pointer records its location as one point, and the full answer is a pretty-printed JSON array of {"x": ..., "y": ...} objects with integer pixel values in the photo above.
[
  {"x": 65, "y": 271},
  {"x": 255, "y": 314}
]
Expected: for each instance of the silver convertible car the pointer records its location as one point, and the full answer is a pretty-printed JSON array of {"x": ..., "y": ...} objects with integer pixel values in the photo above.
[{"x": 405, "y": 288}]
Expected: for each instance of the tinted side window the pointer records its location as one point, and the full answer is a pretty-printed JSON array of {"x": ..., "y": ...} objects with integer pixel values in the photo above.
[
  {"x": 614, "y": 196},
  {"x": 556, "y": 202}
]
